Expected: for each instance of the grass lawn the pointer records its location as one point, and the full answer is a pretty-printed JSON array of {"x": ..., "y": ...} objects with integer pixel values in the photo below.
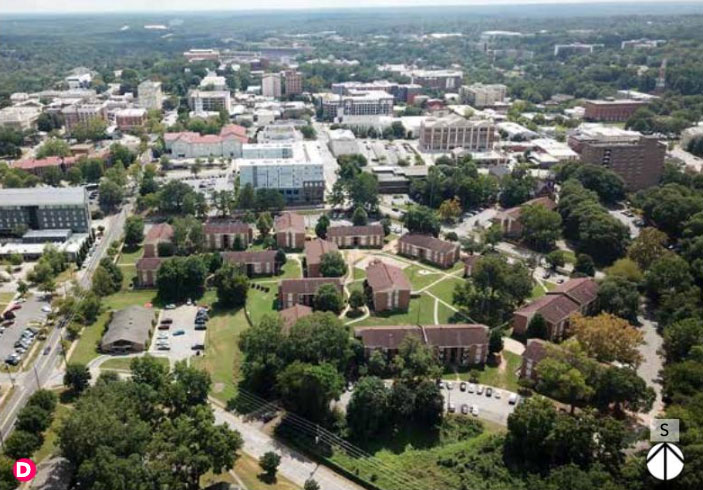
[
  {"x": 421, "y": 311},
  {"x": 86, "y": 346},
  {"x": 420, "y": 276},
  {"x": 48, "y": 447},
  {"x": 447, "y": 315},
  {"x": 537, "y": 291},
  {"x": 359, "y": 273},
  {"x": 222, "y": 356},
  {"x": 5, "y": 299},
  {"x": 129, "y": 274},
  {"x": 445, "y": 289},
  {"x": 500, "y": 378},
  {"x": 353, "y": 286},
  {"x": 291, "y": 270},
  {"x": 130, "y": 256},
  {"x": 260, "y": 303},
  {"x": 124, "y": 363},
  {"x": 248, "y": 470},
  {"x": 123, "y": 299},
  {"x": 66, "y": 275}
]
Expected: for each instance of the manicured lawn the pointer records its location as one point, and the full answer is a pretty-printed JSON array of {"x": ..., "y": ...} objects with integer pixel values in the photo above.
[
  {"x": 291, "y": 270},
  {"x": 353, "y": 286},
  {"x": 447, "y": 315},
  {"x": 48, "y": 447},
  {"x": 129, "y": 274},
  {"x": 222, "y": 356},
  {"x": 86, "y": 347},
  {"x": 420, "y": 276},
  {"x": 260, "y": 303},
  {"x": 359, "y": 273},
  {"x": 445, "y": 289},
  {"x": 421, "y": 311},
  {"x": 66, "y": 275},
  {"x": 248, "y": 470},
  {"x": 537, "y": 291},
  {"x": 130, "y": 256},
  {"x": 123, "y": 299},
  {"x": 124, "y": 363}
]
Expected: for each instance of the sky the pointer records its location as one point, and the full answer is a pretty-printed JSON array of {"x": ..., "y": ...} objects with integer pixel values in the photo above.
[{"x": 78, "y": 6}]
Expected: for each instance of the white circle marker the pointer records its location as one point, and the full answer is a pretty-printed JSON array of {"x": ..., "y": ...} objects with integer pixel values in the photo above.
[{"x": 665, "y": 461}]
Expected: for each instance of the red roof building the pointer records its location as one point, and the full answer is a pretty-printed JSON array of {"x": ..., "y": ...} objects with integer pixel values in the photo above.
[
  {"x": 390, "y": 289},
  {"x": 37, "y": 166},
  {"x": 224, "y": 235},
  {"x": 429, "y": 248},
  {"x": 356, "y": 236},
  {"x": 290, "y": 231},
  {"x": 535, "y": 351},
  {"x": 293, "y": 292},
  {"x": 290, "y": 316},
  {"x": 509, "y": 219},
  {"x": 159, "y": 233},
  {"x": 314, "y": 250},
  {"x": 255, "y": 263},
  {"x": 147, "y": 269}
]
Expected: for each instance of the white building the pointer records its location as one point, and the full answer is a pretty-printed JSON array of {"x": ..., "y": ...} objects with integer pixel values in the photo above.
[
  {"x": 547, "y": 152},
  {"x": 688, "y": 134},
  {"x": 21, "y": 117},
  {"x": 213, "y": 82},
  {"x": 187, "y": 144},
  {"x": 480, "y": 95},
  {"x": 299, "y": 177},
  {"x": 149, "y": 95},
  {"x": 79, "y": 80},
  {"x": 271, "y": 85},
  {"x": 515, "y": 131},
  {"x": 204, "y": 101},
  {"x": 343, "y": 142},
  {"x": 347, "y": 108}
]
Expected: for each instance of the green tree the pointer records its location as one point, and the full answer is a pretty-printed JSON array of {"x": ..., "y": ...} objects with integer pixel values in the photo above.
[
  {"x": 321, "y": 227},
  {"x": 562, "y": 382},
  {"x": 77, "y": 377},
  {"x": 538, "y": 328},
  {"x": 332, "y": 264},
  {"x": 134, "y": 231},
  {"x": 328, "y": 298},
  {"x": 232, "y": 286},
  {"x": 110, "y": 194},
  {"x": 650, "y": 245},
  {"x": 308, "y": 390},
  {"x": 33, "y": 419},
  {"x": 264, "y": 224},
  {"x": 262, "y": 362},
  {"x": 584, "y": 265},
  {"x": 540, "y": 226},
  {"x": 317, "y": 338},
  {"x": 618, "y": 296},
  {"x": 421, "y": 219},
  {"x": 22, "y": 444},
  {"x": 356, "y": 299},
  {"x": 269, "y": 462},
  {"x": 495, "y": 341},
  {"x": 54, "y": 147},
  {"x": 360, "y": 218},
  {"x": 311, "y": 484},
  {"x": 556, "y": 259}
]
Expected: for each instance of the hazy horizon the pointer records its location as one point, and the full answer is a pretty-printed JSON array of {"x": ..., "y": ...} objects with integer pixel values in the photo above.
[{"x": 138, "y": 6}]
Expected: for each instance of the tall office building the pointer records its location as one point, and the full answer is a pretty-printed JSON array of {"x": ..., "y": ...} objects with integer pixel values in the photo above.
[
  {"x": 271, "y": 85},
  {"x": 149, "y": 95},
  {"x": 480, "y": 95},
  {"x": 293, "y": 82}
]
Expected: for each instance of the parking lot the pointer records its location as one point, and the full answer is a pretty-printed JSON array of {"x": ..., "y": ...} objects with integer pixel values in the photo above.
[
  {"x": 489, "y": 408},
  {"x": 29, "y": 314},
  {"x": 181, "y": 344}
]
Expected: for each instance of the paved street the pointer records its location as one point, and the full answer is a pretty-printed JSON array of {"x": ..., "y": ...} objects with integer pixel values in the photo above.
[
  {"x": 627, "y": 221},
  {"x": 652, "y": 363},
  {"x": 294, "y": 465}
]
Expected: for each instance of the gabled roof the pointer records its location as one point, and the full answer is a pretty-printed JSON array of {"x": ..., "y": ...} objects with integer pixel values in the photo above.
[
  {"x": 545, "y": 201},
  {"x": 290, "y": 221},
  {"x": 231, "y": 131},
  {"x": 131, "y": 324},
  {"x": 355, "y": 230},
  {"x": 535, "y": 350},
  {"x": 428, "y": 241},
  {"x": 290, "y": 316},
  {"x": 582, "y": 290},
  {"x": 162, "y": 232},
  {"x": 458, "y": 335},
  {"x": 33, "y": 163},
  {"x": 258, "y": 256},
  {"x": 382, "y": 276},
  {"x": 307, "y": 285},
  {"x": 554, "y": 308},
  {"x": 149, "y": 263},
  {"x": 315, "y": 249},
  {"x": 386, "y": 337},
  {"x": 226, "y": 227}
]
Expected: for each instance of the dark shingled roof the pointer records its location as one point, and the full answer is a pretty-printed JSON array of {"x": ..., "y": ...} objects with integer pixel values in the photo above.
[
  {"x": 315, "y": 249},
  {"x": 290, "y": 316},
  {"x": 261, "y": 256},
  {"x": 428, "y": 241},
  {"x": 161, "y": 232},
  {"x": 449, "y": 335},
  {"x": 583, "y": 290},
  {"x": 382, "y": 276},
  {"x": 536, "y": 350},
  {"x": 553, "y": 307},
  {"x": 355, "y": 230},
  {"x": 226, "y": 227},
  {"x": 149, "y": 263}
]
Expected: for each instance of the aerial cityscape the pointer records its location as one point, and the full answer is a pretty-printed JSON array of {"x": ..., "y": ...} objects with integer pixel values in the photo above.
[{"x": 382, "y": 246}]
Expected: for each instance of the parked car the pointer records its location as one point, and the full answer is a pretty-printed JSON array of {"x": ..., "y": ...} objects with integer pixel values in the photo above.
[
  {"x": 513, "y": 399},
  {"x": 471, "y": 388},
  {"x": 167, "y": 321},
  {"x": 479, "y": 389},
  {"x": 170, "y": 306},
  {"x": 164, "y": 326},
  {"x": 451, "y": 408},
  {"x": 46, "y": 309},
  {"x": 164, "y": 347},
  {"x": 450, "y": 385},
  {"x": 179, "y": 332},
  {"x": 47, "y": 349},
  {"x": 489, "y": 392},
  {"x": 198, "y": 347},
  {"x": 462, "y": 386},
  {"x": 16, "y": 307},
  {"x": 162, "y": 336},
  {"x": 497, "y": 394},
  {"x": 474, "y": 410},
  {"x": 200, "y": 326},
  {"x": 465, "y": 409}
]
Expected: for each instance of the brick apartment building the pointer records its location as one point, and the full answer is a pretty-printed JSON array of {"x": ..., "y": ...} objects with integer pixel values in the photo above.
[
  {"x": 314, "y": 250},
  {"x": 509, "y": 219},
  {"x": 429, "y": 248},
  {"x": 612, "y": 110},
  {"x": 225, "y": 235},
  {"x": 356, "y": 236},
  {"x": 290, "y": 231},
  {"x": 454, "y": 344},
  {"x": 293, "y": 292},
  {"x": 254, "y": 263},
  {"x": 390, "y": 289},
  {"x": 557, "y": 306}
]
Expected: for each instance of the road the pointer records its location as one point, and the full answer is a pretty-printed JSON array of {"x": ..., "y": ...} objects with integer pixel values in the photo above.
[
  {"x": 294, "y": 465},
  {"x": 652, "y": 364},
  {"x": 28, "y": 382}
]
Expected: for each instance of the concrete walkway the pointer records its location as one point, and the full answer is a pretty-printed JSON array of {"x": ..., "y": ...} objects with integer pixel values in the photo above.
[
  {"x": 512, "y": 345},
  {"x": 651, "y": 365}
]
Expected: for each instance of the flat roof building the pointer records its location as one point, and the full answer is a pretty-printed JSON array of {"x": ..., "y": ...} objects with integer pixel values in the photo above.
[
  {"x": 453, "y": 131},
  {"x": 149, "y": 95},
  {"x": 44, "y": 208}
]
